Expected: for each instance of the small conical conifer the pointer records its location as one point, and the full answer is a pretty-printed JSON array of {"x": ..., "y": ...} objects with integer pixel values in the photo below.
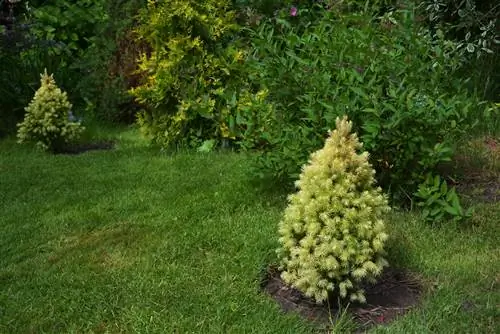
[
  {"x": 47, "y": 121},
  {"x": 332, "y": 235}
]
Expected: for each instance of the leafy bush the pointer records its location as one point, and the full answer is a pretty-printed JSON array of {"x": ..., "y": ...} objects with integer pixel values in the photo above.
[
  {"x": 473, "y": 22},
  {"x": 267, "y": 7},
  {"x": 22, "y": 58},
  {"x": 68, "y": 24},
  {"x": 109, "y": 62},
  {"x": 438, "y": 202},
  {"x": 48, "y": 118},
  {"x": 11, "y": 96},
  {"x": 64, "y": 30},
  {"x": 13, "y": 70},
  {"x": 332, "y": 233},
  {"x": 372, "y": 71},
  {"x": 86, "y": 43},
  {"x": 42, "y": 34},
  {"x": 474, "y": 25},
  {"x": 185, "y": 76}
]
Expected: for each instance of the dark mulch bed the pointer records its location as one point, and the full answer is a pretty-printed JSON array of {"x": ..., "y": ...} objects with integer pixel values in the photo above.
[
  {"x": 393, "y": 295},
  {"x": 85, "y": 147}
]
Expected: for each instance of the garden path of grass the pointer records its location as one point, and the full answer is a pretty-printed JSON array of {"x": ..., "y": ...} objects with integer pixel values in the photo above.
[{"x": 137, "y": 241}]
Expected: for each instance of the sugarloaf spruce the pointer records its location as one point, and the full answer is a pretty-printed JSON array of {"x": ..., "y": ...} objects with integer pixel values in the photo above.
[{"x": 332, "y": 235}]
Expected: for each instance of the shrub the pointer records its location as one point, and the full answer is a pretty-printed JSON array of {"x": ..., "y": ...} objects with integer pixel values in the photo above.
[
  {"x": 332, "y": 233},
  {"x": 371, "y": 70},
  {"x": 186, "y": 74},
  {"x": 84, "y": 41},
  {"x": 15, "y": 72},
  {"x": 72, "y": 38},
  {"x": 21, "y": 62},
  {"x": 474, "y": 25},
  {"x": 70, "y": 25},
  {"x": 438, "y": 202},
  {"x": 11, "y": 95},
  {"x": 48, "y": 118},
  {"x": 64, "y": 30},
  {"x": 109, "y": 63}
]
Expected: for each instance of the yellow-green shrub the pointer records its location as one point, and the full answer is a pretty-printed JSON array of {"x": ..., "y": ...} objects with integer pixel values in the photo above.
[
  {"x": 185, "y": 74},
  {"x": 47, "y": 121},
  {"x": 332, "y": 235}
]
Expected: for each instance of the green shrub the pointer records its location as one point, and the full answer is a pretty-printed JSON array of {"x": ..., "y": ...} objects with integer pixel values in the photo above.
[
  {"x": 87, "y": 43},
  {"x": 187, "y": 72},
  {"x": 68, "y": 24},
  {"x": 64, "y": 30},
  {"x": 267, "y": 7},
  {"x": 470, "y": 21},
  {"x": 109, "y": 63},
  {"x": 474, "y": 25},
  {"x": 12, "y": 96},
  {"x": 393, "y": 79},
  {"x": 17, "y": 77},
  {"x": 438, "y": 202},
  {"x": 47, "y": 121},
  {"x": 20, "y": 67},
  {"x": 96, "y": 62},
  {"x": 332, "y": 234}
]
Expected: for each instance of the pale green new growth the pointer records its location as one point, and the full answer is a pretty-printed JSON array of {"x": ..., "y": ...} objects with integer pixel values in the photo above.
[
  {"x": 46, "y": 122},
  {"x": 332, "y": 235}
]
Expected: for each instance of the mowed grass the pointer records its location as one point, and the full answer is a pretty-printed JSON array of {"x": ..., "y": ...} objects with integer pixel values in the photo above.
[{"x": 134, "y": 240}]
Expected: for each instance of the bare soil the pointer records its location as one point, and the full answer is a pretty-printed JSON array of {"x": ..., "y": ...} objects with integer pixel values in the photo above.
[{"x": 395, "y": 293}]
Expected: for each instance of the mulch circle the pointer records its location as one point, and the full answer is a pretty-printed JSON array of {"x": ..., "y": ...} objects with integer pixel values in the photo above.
[
  {"x": 395, "y": 293},
  {"x": 85, "y": 147}
]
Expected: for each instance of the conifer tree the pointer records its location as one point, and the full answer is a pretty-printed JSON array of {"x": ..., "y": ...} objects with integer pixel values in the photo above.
[
  {"x": 47, "y": 121},
  {"x": 332, "y": 235}
]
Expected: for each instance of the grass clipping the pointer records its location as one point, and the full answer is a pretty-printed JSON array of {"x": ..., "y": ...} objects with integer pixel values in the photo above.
[{"x": 332, "y": 235}]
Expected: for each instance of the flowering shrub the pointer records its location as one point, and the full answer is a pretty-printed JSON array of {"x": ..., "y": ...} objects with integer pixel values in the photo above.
[{"x": 332, "y": 235}]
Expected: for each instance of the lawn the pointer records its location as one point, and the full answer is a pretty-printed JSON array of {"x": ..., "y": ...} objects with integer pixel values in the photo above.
[{"x": 134, "y": 240}]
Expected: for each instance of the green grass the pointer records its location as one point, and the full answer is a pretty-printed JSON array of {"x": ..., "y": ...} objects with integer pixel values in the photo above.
[{"x": 135, "y": 240}]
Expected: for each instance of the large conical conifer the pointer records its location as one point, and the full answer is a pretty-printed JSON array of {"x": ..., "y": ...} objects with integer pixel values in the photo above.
[{"x": 332, "y": 235}]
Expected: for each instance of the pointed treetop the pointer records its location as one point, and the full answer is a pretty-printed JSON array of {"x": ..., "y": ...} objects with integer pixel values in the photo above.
[
  {"x": 47, "y": 79},
  {"x": 343, "y": 125},
  {"x": 343, "y": 128}
]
